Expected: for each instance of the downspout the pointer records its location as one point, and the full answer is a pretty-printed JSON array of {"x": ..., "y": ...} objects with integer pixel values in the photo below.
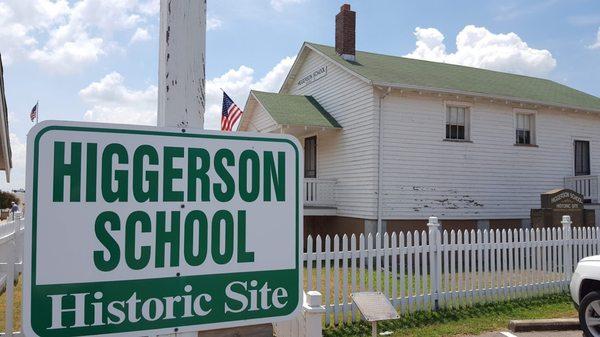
[{"x": 380, "y": 163}]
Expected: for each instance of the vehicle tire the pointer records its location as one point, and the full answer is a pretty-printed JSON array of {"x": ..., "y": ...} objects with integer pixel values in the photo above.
[{"x": 589, "y": 314}]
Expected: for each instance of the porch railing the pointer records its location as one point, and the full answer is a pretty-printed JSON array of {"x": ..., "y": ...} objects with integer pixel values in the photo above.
[
  {"x": 588, "y": 186},
  {"x": 319, "y": 192}
]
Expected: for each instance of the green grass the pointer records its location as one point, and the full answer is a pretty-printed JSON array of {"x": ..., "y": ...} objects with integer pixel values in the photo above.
[
  {"x": 467, "y": 321},
  {"x": 469, "y": 279},
  {"x": 16, "y": 308},
  {"x": 474, "y": 320}
]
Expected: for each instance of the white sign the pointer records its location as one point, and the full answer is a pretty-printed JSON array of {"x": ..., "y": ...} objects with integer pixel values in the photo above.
[
  {"x": 315, "y": 75},
  {"x": 159, "y": 230}
]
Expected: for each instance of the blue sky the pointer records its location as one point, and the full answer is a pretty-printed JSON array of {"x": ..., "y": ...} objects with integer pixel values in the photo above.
[{"x": 96, "y": 60}]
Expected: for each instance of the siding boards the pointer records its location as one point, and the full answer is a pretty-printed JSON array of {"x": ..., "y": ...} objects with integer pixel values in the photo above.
[
  {"x": 348, "y": 155},
  {"x": 261, "y": 120},
  {"x": 488, "y": 178}
]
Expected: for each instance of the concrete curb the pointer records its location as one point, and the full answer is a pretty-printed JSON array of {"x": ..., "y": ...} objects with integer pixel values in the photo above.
[{"x": 560, "y": 324}]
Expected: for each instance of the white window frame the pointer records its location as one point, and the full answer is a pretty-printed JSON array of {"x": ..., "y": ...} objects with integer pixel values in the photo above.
[
  {"x": 532, "y": 126},
  {"x": 309, "y": 135},
  {"x": 457, "y": 104},
  {"x": 582, "y": 138}
]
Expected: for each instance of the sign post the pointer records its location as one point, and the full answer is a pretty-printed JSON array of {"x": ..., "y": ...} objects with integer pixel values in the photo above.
[
  {"x": 156, "y": 231},
  {"x": 182, "y": 64},
  {"x": 375, "y": 307}
]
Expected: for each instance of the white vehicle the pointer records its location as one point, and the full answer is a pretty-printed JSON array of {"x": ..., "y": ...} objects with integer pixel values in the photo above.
[{"x": 585, "y": 292}]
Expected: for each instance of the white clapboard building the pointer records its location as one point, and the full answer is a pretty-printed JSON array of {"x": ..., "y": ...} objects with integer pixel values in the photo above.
[
  {"x": 5, "y": 151},
  {"x": 390, "y": 141}
]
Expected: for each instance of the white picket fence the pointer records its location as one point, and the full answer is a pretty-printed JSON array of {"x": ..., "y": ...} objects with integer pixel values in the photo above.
[
  {"x": 427, "y": 270},
  {"x": 11, "y": 264},
  {"x": 418, "y": 271}
]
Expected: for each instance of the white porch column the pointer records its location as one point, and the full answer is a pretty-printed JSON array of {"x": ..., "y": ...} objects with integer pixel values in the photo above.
[{"x": 181, "y": 73}]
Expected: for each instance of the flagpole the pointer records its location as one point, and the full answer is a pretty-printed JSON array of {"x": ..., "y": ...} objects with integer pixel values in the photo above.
[{"x": 37, "y": 115}]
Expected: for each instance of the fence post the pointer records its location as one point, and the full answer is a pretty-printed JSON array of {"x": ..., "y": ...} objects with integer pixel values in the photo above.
[
  {"x": 568, "y": 246},
  {"x": 10, "y": 281},
  {"x": 313, "y": 314},
  {"x": 435, "y": 260}
]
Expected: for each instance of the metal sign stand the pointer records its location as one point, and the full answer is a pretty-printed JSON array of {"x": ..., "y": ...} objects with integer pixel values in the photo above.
[{"x": 375, "y": 307}]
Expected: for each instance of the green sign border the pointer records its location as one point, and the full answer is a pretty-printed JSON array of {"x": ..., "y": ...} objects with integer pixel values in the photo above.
[{"x": 99, "y": 129}]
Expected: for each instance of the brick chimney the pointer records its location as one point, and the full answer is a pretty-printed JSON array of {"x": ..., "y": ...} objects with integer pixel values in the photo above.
[{"x": 345, "y": 33}]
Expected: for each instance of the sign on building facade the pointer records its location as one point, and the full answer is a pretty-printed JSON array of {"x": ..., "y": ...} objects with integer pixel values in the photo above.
[
  {"x": 559, "y": 202},
  {"x": 159, "y": 230}
]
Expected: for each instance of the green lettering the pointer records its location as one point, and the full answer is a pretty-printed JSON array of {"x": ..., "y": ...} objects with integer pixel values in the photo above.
[
  {"x": 192, "y": 220},
  {"x": 249, "y": 194},
  {"x": 274, "y": 177},
  {"x": 243, "y": 256},
  {"x": 151, "y": 177},
  {"x": 112, "y": 247},
  {"x": 227, "y": 194},
  {"x": 63, "y": 170},
  {"x": 170, "y": 173},
  {"x": 120, "y": 176},
  {"x": 163, "y": 237},
  {"x": 91, "y": 172},
  {"x": 133, "y": 219},
  {"x": 220, "y": 217},
  {"x": 196, "y": 173}
]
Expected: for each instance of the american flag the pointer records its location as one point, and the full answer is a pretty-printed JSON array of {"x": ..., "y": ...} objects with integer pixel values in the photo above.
[
  {"x": 34, "y": 112},
  {"x": 230, "y": 113}
]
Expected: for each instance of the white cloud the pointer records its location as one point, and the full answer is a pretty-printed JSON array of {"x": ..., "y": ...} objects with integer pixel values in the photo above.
[
  {"x": 478, "y": 47},
  {"x": 279, "y": 5},
  {"x": 238, "y": 83},
  {"x": 140, "y": 35},
  {"x": 596, "y": 45},
  {"x": 65, "y": 36},
  {"x": 18, "y": 18},
  {"x": 17, "y": 173},
  {"x": 110, "y": 101},
  {"x": 19, "y": 150},
  {"x": 150, "y": 7},
  {"x": 213, "y": 23},
  {"x": 67, "y": 57}
]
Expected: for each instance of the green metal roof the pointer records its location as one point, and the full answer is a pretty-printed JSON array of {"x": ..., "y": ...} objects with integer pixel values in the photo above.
[
  {"x": 394, "y": 70},
  {"x": 295, "y": 110}
]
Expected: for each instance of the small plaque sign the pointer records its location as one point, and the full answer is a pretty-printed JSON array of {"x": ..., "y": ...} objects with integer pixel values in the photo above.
[
  {"x": 313, "y": 76},
  {"x": 562, "y": 199},
  {"x": 374, "y": 306}
]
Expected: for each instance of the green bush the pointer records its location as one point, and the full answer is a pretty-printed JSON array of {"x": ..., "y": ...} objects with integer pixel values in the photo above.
[{"x": 6, "y": 198}]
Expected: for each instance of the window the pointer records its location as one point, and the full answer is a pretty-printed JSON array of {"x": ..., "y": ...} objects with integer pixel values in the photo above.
[
  {"x": 582, "y": 158},
  {"x": 457, "y": 119},
  {"x": 310, "y": 157},
  {"x": 525, "y": 126}
]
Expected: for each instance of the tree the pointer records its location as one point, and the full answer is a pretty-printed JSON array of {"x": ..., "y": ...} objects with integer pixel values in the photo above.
[{"x": 6, "y": 198}]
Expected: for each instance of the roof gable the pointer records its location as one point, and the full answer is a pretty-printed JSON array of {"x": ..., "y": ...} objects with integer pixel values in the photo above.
[
  {"x": 295, "y": 110},
  {"x": 413, "y": 73}
]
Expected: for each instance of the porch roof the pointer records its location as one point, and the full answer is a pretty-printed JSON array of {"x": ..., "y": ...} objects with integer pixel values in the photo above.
[{"x": 295, "y": 110}]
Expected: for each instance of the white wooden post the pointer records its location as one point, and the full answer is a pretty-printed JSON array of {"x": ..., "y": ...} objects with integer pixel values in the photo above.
[
  {"x": 181, "y": 68},
  {"x": 567, "y": 246},
  {"x": 10, "y": 279},
  {"x": 435, "y": 261},
  {"x": 313, "y": 314}
]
